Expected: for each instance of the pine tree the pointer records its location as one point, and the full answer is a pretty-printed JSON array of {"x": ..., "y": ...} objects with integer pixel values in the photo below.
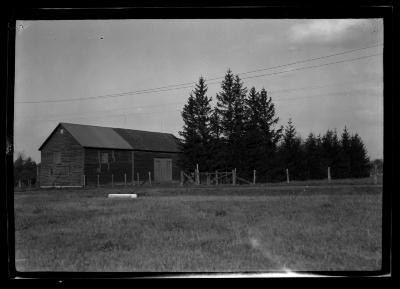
[
  {"x": 225, "y": 112},
  {"x": 272, "y": 135},
  {"x": 217, "y": 159},
  {"x": 313, "y": 158},
  {"x": 344, "y": 166},
  {"x": 360, "y": 163},
  {"x": 331, "y": 150},
  {"x": 261, "y": 135},
  {"x": 24, "y": 170},
  {"x": 239, "y": 115},
  {"x": 196, "y": 142},
  {"x": 291, "y": 153},
  {"x": 231, "y": 112},
  {"x": 255, "y": 151}
]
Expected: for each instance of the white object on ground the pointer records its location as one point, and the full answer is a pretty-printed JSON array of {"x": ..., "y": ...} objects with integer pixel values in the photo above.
[{"x": 132, "y": 196}]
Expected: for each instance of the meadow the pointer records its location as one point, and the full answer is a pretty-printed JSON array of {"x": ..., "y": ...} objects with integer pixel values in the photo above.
[{"x": 205, "y": 229}]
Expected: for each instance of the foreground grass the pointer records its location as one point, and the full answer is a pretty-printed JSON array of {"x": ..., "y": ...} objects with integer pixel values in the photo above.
[{"x": 229, "y": 230}]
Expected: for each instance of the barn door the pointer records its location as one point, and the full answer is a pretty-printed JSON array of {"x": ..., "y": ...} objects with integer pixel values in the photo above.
[{"x": 162, "y": 170}]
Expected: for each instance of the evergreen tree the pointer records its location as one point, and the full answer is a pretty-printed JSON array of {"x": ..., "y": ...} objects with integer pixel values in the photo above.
[
  {"x": 196, "y": 134},
  {"x": 360, "y": 163},
  {"x": 331, "y": 150},
  {"x": 239, "y": 115},
  {"x": 271, "y": 134},
  {"x": 261, "y": 136},
  {"x": 24, "y": 170},
  {"x": 254, "y": 152},
  {"x": 344, "y": 165},
  {"x": 225, "y": 112},
  {"x": 217, "y": 154},
  {"x": 231, "y": 112},
  {"x": 291, "y": 153},
  {"x": 313, "y": 158}
]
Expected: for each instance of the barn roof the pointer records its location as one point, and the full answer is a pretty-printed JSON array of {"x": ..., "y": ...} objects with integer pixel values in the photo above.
[
  {"x": 119, "y": 138},
  {"x": 96, "y": 136},
  {"x": 148, "y": 140}
]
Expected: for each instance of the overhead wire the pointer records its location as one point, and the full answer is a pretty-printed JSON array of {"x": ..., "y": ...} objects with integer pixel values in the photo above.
[{"x": 190, "y": 84}]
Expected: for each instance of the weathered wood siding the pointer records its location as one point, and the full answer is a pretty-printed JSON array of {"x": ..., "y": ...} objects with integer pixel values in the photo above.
[
  {"x": 117, "y": 167},
  {"x": 144, "y": 163},
  {"x": 69, "y": 171}
]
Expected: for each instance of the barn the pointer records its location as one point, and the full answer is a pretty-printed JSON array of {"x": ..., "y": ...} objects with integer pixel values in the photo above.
[{"x": 76, "y": 154}]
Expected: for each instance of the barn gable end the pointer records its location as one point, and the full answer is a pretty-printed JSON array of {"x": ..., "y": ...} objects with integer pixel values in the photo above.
[{"x": 61, "y": 159}]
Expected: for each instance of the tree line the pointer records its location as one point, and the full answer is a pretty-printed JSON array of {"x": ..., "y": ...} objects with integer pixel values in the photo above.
[
  {"x": 24, "y": 171},
  {"x": 241, "y": 131}
]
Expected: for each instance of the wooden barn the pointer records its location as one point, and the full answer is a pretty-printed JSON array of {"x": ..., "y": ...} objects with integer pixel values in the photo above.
[{"x": 75, "y": 154}]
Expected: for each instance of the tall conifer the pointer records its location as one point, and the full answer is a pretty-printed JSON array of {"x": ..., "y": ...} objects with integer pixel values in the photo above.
[{"x": 196, "y": 132}]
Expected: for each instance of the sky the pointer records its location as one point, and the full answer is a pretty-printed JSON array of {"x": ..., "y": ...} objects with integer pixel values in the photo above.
[{"x": 321, "y": 73}]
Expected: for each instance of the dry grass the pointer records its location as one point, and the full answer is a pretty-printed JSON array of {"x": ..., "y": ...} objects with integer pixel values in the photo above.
[{"x": 203, "y": 230}]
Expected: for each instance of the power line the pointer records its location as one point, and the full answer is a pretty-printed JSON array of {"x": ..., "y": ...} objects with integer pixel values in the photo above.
[
  {"x": 340, "y": 93},
  {"x": 108, "y": 110},
  {"x": 254, "y": 76},
  {"x": 314, "y": 66},
  {"x": 190, "y": 84},
  {"x": 182, "y": 103}
]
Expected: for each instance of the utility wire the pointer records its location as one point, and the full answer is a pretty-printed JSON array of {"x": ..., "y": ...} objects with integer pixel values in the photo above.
[
  {"x": 340, "y": 93},
  {"x": 182, "y": 102},
  {"x": 190, "y": 84},
  {"x": 302, "y": 88}
]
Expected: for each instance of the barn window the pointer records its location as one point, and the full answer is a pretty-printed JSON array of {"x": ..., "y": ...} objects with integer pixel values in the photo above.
[
  {"x": 51, "y": 171},
  {"x": 62, "y": 131},
  {"x": 104, "y": 158},
  {"x": 57, "y": 157},
  {"x": 113, "y": 156}
]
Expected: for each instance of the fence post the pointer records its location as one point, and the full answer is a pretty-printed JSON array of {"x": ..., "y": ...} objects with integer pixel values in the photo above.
[
  {"x": 98, "y": 180},
  {"x": 216, "y": 178},
  {"x": 19, "y": 183},
  {"x": 375, "y": 175},
  {"x": 208, "y": 179},
  {"x": 112, "y": 180},
  {"x": 329, "y": 174},
  {"x": 37, "y": 177},
  {"x": 84, "y": 181},
  {"x": 254, "y": 177},
  {"x": 197, "y": 175},
  {"x": 138, "y": 180},
  {"x": 234, "y": 177},
  {"x": 125, "y": 179},
  {"x": 287, "y": 175},
  {"x": 150, "y": 178},
  {"x": 182, "y": 178}
]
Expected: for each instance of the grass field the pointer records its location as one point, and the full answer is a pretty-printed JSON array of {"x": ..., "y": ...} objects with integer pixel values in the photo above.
[{"x": 230, "y": 229}]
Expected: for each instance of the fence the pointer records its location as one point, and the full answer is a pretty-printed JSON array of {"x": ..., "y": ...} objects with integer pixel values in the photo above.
[
  {"x": 218, "y": 177},
  {"x": 231, "y": 177},
  {"x": 98, "y": 180},
  {"x": 118, "y": 180}
]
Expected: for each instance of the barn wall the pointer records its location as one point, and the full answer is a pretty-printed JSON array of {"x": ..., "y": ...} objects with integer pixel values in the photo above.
[
  {"x": 93, "y": 166},
  {"x": 69, "y": 171},
  {"x": 144, "y": 163}
]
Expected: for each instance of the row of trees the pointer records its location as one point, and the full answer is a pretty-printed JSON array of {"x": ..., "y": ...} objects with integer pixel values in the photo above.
[
  {"x": 242, "y": 132},
  {"x": 24, "y": 171}
]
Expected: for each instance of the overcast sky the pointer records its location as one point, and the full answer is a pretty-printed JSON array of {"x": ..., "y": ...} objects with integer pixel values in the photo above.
[{"x": 108, "y": 61}]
